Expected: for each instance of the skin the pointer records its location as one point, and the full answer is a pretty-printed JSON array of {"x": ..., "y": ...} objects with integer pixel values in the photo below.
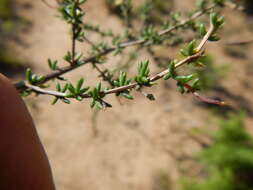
[{"x": 23, "y": 161}]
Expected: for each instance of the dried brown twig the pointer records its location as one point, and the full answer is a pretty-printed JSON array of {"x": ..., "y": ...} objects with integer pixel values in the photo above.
[
  {"x": 49, "y": 5},
  {"x": 239, "y": 42}
]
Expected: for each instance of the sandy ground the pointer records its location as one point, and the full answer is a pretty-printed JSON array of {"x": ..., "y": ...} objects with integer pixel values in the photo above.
[{"x": 138, "y": 141}]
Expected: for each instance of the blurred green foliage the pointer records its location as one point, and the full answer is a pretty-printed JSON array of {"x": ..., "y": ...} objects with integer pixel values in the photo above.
[
  {"x": 162, "y": 181},
  {"x": 7, "y": 58},
  {"x": 5, "y": 9},
  {"x": 6, "y": 16},
  {"x": 210, "y": 75},
  {"x": 228, "y": 160},
  {"x": 9, "y": 62},
  {"x": 155, "y": 10}
]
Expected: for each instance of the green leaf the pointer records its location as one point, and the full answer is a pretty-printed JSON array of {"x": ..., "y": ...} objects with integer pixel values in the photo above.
[
  {"x": 34, "y": 78},
  {"x": 196, "y": 85},
  {"x": 99, "y": 85},
  {"x": 79, "y": 98},
  {"x": 202, "y": 30},
  {"x": 68, "y": 57},
  {"x": 221, "y": 20},
  {"x": 29, "y": 75},
  {"x": 55, "y": 101},
  {"x": 214, "y": 38},
  {"x": 84, "y": 90},
  {"x": 71, "y": 88},
  {"x": 41, "y": 78},
  {"x": 95, "y": 93},
  {"x": 167, "y": 76},
  {"x": 65, "y": 88},
  {"x": 171, "y": 73},
  {"x": 145, "y": 66},
  {"x": 181, "y": 89},
  {"x": 150, "y": 97},
  {"x": 213, "y": 18},
  {"x": 67, "y": 101},
  {"x": 98, "y": 105},
  {"x": 58, "y": 87},
  {"x": 127, "y": 95},
  {"x": 116, "y": 83},
  {"x": 69, "y": 95},
  {"x": 144, "y": 80},
  {"x": 143, "y": 74},
  {"x": 185, "y": 79},
  {"x": 201, "y": 4},
  {"x": 184, "y": 52},
  {"x": 122, "y": 78},
  {"x": 189, "y": 50},
  {"x": 191, "y": 47},
  {"x": 49, "y": 63},
  {"x": 79, "y": 85}
]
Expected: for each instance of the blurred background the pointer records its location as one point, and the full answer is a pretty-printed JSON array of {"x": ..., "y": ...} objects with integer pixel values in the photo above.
[{"x": 175, "y": 142}]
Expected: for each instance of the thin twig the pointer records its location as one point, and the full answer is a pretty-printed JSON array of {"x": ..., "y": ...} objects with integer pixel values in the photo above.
[
  {"x": 74, "y": 28},
  {"x": 39, "y": 90},
  {"x": 73, "y": 44},
  {"x": 92, "y": 44},
  {"x": 48, "y": 5},
  {"x": 94, "y": 64},
  {"x": 239, "y": 43},
  {"x": 103, "y": 74}
]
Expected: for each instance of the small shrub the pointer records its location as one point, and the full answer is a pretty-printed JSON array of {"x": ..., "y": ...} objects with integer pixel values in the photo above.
[
  {"x": 146, "y": 34},
  {"x": 228, "y": 160}
]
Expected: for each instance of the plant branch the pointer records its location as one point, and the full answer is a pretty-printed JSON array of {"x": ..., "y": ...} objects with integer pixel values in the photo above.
[
  {"x": 206, "y": 37},
  {"x": 74, "y": 28},
  {"x": 21, "y": 85},
  {"x": 103, "y": 74},
  {"x": 239, "y": 43},
  {"x": 39, "y": 90},
  {"x": 189, "y": 59}
]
